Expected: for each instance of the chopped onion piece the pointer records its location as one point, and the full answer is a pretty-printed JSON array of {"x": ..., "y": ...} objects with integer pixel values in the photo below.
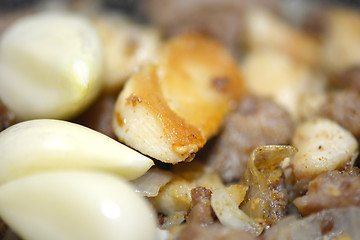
[
  {"x": 230, "y": 215},
  {"x": 150, "y": 183}
]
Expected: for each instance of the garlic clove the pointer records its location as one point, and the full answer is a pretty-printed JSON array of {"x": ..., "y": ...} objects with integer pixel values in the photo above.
[
  {"x": 168, "y": 111},
  {"x": 323, "y": 146},
  {"x": 76, "y": 205},
  {"x": 50, "y": 65},
  {"x": 47, "y": 145},
  {"x": 126, "y": 45}
]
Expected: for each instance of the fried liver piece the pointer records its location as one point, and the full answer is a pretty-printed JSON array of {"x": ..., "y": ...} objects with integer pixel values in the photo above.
[
  {"x": 257, "y": 121},
  {"x": 344, "y": 108},
  {"x": 332, "y": 189}
]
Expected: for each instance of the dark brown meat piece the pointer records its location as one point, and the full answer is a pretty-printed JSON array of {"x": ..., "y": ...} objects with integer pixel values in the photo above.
[
  {"x": 100, "y": 115},
  {"x": 214, "y": 231},
  {"x": 350, "y": 79},
  {"x": 219, "y": 19},
  {"x": 332, "y": 189},
  {"x": 339, "y": 223},
  {"x": 256, "y": 122},
  {"x": 7, "y": 118},
  {"x": 201, "y": 211},
  {"x": 344, "y": 108}
]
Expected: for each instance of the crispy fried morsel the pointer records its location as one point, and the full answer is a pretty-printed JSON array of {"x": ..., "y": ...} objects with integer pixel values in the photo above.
[
  {"x": 343, "y": 108},
  {"x": 257, "y": 121},
  {"x": 7, "y": 118},
  {"x": 201, "y": 211},
  {"x": 215, "y": 231},
  {"x": 332, "y": 189}
]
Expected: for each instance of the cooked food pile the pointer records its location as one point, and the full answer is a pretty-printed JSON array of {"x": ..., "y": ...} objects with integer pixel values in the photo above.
[{"x": 223, "y": 120}]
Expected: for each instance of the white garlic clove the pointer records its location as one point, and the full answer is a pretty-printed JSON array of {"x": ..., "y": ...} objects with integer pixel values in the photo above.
[
  {"x": 323, "y": 146},
  {"x": 50, "y": 65},
  {"x": 126, "y": 45},
  {"x": 76, "y": 205},
  {"x": 46, "y": 145}
]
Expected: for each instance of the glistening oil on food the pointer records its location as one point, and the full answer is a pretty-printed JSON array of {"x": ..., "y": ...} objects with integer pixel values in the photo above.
[{"x": 166, "y": 119}]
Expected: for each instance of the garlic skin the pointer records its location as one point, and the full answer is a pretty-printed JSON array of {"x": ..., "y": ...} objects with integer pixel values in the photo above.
[
  {"x": 47, "y": 145},
  {"x": 75, "y": 205},
  {"x": 50, "y": 66}
]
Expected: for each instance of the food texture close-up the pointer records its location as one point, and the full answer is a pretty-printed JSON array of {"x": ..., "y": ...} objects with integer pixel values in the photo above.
[{"x": 177, "y": 120}]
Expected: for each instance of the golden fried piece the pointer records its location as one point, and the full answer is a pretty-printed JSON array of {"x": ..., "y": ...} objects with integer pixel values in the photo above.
[{"x": 169, "y": 110}]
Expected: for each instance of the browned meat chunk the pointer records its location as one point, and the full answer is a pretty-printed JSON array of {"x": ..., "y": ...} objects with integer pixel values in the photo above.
[
  {"x": 350, "y": 79},
  {"x": 6, "y": 117},
  {"x": 339, "y": 223},
  {"x": 201, "y": 211},
  {"x": 99, "y": 116},
  {"x": 256, "y": 122},
  {"x": 220, "y": 19},
  {"x": 214, "y": 231},
  {"x": 344, "y": 108},
  {"x": 332, "y": 189}
]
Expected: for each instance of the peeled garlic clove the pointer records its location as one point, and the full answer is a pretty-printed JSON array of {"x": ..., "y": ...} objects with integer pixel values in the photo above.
[
  {"x": 127, "y": 45},
  {"x": 323, "y": 146},
  {"x": 50, "y": 66},
  {"x": 45, "y": 145},
  {"x": 75, "y": 205}
]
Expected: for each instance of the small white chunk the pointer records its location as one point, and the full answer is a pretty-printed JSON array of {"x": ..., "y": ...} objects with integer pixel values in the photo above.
[
  {"x": 50, "y": 66},
  {"x": 76, "y": 205},
  {"x": 47, "y": 145},
  {"x": 277, "y": 76},
  {"x": 323, "y": 145}
]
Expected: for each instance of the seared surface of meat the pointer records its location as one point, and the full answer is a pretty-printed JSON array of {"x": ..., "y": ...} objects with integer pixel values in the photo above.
[
  {"x": 343, "y": 108},
  {"x": 219, "y": 19},
  {"x": 256, "y": 122},
  {"x": 200, "y": 210},
  {"x": 332, "y": 189},
  {"x": 340, "y": 223},
  {"x": 349, "y": 79},
  {"x": 214, "y": 231}
]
